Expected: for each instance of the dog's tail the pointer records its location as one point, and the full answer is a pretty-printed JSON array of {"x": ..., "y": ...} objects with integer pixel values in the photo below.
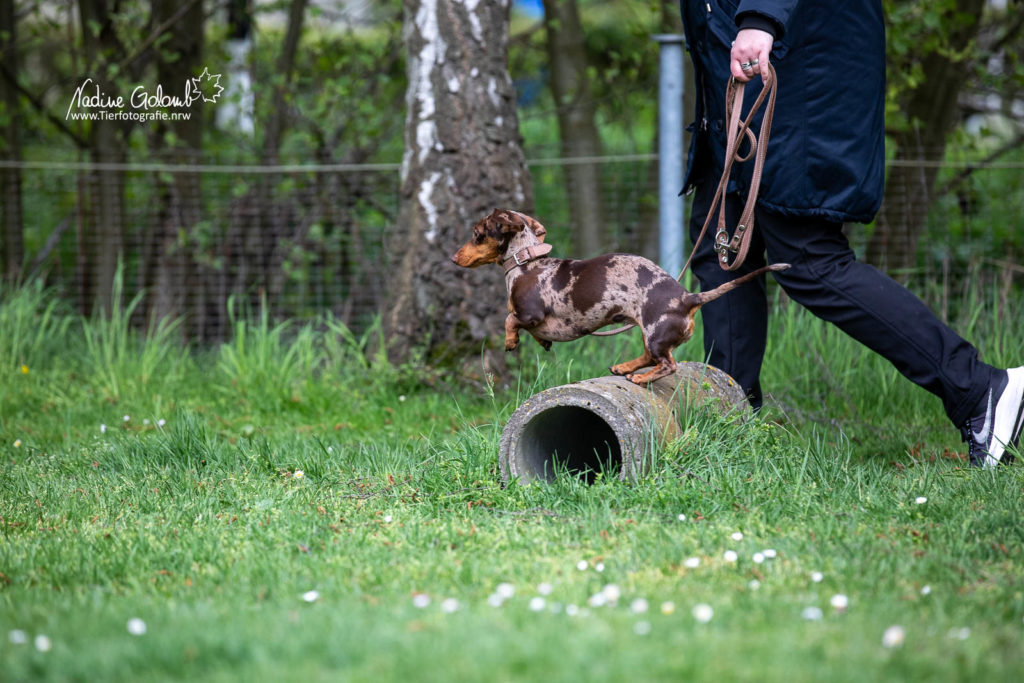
[{"x": 702, "y": 298}]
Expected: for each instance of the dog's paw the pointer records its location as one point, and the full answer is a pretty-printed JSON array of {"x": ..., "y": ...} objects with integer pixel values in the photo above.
[
  {"x": 616, "y": 370},
  {"x": 511, "y": 344}
]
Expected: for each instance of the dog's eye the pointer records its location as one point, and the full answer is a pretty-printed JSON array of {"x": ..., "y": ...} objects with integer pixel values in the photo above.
[{"x": 477, "y": 239}]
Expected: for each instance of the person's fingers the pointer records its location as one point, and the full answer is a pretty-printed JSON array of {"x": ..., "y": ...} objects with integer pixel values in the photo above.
[
  {"x": 738, "y": 71},
  {"x": 749, "y": 51},
  {"x": 763, "y": 60}
]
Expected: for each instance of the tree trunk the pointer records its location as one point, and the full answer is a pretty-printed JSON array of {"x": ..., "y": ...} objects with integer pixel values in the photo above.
[
  {"x": 576, "y": 108},
  {"x": 100, "y": 238},
  {"x": 12, "y": 250},
  {"x": 172, "y": 275},
  {"x": 267, "y": 240},
  {"x": 463, "y": 158},
  {"x": 932, "y": 111}
]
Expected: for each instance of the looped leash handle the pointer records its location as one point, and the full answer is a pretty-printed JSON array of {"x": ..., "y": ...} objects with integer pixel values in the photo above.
[{"x": 739, "y": 241}]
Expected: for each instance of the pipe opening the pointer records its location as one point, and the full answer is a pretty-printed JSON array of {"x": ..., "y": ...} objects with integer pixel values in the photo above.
[{"x": 570, "y": 439}]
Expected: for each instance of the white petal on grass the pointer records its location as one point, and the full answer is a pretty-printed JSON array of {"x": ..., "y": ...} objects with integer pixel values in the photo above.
[
  {"x": 730, "y": 556},
  {"x": 597, "y": 600},
  {"x": 103, "y": 429},
  {"x": 770, "y": 553},
  {"x": 812, "y": 614},
  {"x": 136, "y": 626},
  {"x": 703, "y": 613},
  {"x": 495, "y": 600},
  {"x": 754, "y": 584},
  {"x": 582, "y": 565},
  {"x": 962, "y": 633},
  {"x": 839, "y": 602},
  {"x": 758, "y": 558},
  {"x": 926, "y": 590},
  {"x": 43, "y": 643},
  {"x": 692, "y": 562},
  {"x": 893, "y": 637},
  {"x": 505, "y": 590},
  {"x": 737, "y": 536},
  {"x": 817, "y": 577},
  {"x": 17, "y": 637},
  {"x": 572, "y": 610},
  {"x": 311, "y": 596},
  {"x": 639, "y": 606},
  {"x": 642, "y": 628},
  {"x": 161, "y": 422},
  {"x": 612, "y": 593},
  {"x": 449, "y": 605},
  {"x": 599, "y": 567},
  {"x": 668, "y": 607},
  {"x": 682, "y": 517},
  {"x": 545, "y": 588},
  {"x": 420, "y": 600},
  {"x": 537, "y": 604},
  {"x": 920, "y": 500},
  {"x": 298, "y": 474},
  {"x": 127, "y": 418},
  {"x": 387, "y": 519}
]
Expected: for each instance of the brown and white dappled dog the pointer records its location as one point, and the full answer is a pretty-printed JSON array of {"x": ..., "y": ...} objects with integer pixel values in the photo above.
[{"x": 564, "y": 299}]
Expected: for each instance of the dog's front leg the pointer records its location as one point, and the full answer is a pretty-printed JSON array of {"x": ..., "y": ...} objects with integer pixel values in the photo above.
[{"x": 512, "y": 327}]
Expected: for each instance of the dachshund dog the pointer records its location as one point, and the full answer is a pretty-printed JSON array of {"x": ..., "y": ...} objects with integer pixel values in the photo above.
[{"x": 564, "y": 299}]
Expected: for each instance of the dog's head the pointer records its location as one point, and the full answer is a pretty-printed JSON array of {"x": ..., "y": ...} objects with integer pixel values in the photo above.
[{"x": 492, "y": 235}]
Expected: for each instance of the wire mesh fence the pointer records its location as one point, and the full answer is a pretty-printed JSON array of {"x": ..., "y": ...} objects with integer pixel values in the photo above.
[{"x": 201, "y": 242}]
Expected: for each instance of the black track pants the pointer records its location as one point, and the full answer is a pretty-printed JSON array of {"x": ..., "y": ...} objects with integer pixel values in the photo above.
[{"x": 825, "y": 278}]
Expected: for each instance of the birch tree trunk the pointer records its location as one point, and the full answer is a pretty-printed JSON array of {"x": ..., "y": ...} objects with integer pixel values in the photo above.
[{"x": 462, "y": 159}]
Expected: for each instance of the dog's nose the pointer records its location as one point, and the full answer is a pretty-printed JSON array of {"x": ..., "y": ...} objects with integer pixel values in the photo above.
[{"x": 455, "y": 259}]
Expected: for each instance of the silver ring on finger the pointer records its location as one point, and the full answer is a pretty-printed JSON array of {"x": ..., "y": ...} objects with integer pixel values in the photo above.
[
  {"x": 754, "y": 62},
  {"x": 746, "y": 66}
]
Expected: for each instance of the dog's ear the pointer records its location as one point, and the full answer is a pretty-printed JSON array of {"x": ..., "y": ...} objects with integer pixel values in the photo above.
[
  {"x": 539, "y": 230},
  {"x": 516, "y": 221},
  {"x": 506, "y": 221}
]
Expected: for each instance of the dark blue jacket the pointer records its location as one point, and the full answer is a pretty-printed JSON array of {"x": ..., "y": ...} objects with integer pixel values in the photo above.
[{"x": 827, "y": 149}]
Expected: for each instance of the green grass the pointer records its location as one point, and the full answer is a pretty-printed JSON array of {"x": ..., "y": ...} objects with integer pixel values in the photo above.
[{"x": 203, "y": 527}]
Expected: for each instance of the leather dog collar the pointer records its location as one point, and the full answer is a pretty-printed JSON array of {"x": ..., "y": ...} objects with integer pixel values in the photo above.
[{"x": 525, "y": 255}]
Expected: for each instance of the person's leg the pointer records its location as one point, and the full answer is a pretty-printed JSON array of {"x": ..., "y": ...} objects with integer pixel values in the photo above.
[
  {"x": 826, "y": 278},
  {"x": 736, "y": 324}
]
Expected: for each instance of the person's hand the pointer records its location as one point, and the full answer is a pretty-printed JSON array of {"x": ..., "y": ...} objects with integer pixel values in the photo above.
[{"x": 751, "y": 49}]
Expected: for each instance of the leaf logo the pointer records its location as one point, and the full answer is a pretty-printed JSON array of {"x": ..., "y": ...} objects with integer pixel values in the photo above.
[{"x": 207, "y": 86}]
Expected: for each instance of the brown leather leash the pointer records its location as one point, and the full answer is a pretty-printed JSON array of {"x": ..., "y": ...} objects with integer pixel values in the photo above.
[{"x": 738, "y": 242}]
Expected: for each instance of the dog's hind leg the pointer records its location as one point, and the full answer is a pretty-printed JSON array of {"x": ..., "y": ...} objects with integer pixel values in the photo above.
[
  {"x": 633, "y": 365},
  {"x": 666, "y": 366}
]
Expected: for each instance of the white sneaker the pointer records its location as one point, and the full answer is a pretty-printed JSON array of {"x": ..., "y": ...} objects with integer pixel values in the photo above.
[{"x": 990, "y": 433}]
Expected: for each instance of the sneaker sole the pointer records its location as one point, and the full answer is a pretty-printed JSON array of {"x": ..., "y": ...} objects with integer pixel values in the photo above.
[{"x": 1009, "y": 417}]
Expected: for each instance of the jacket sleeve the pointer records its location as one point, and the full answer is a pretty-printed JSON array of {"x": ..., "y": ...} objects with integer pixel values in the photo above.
[{"x": 778, "y": 12}]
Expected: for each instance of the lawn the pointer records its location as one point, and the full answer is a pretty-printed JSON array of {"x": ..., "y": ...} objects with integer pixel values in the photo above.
[{"x": 287, "y": 506}]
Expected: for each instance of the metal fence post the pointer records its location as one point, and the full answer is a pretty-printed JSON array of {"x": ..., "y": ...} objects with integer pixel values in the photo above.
[{"x": 670, "y": 152}]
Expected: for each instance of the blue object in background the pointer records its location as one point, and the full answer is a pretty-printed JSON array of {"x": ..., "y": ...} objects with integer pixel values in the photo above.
[{"x": 534, "y": 9}]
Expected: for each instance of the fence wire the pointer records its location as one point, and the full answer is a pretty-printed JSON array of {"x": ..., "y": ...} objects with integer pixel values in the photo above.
[{"x": 196, "y": 241}]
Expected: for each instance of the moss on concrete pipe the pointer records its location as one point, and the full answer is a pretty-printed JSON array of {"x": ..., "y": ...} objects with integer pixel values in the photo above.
[{"x": 589, "y": 426}]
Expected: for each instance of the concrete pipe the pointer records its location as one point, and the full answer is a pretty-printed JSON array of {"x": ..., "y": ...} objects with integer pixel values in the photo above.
[{"x": 606, "y": 423}]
